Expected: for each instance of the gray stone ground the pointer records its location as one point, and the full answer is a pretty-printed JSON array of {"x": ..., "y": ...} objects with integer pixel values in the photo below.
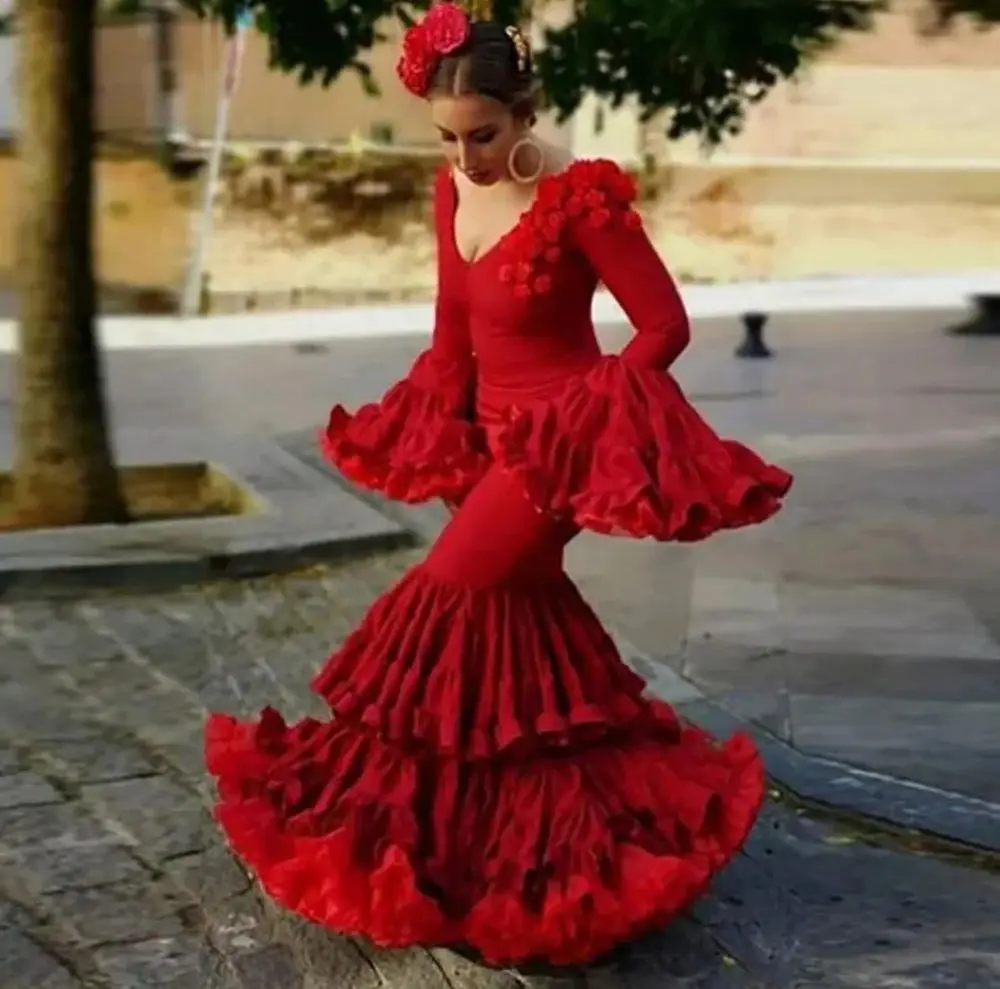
[{"x": 862, "y": 624}]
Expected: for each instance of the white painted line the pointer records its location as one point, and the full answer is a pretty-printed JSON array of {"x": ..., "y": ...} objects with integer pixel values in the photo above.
[
  {"x": 815, "y": 295},
  {"x": 872, "y": 164},
  {"x": 819, "y": 446}
]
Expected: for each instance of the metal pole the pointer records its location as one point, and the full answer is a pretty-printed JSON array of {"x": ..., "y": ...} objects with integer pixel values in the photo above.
[{"x": 227, "y": 86}]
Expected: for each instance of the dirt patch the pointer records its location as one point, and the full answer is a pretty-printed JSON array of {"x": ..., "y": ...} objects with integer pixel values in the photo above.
[
  {"x": 710, "y": 224},
  {"x": 299, "y": 227},
  {"x": 159, "y": 493},
  {"x": 142, "y": 229}
]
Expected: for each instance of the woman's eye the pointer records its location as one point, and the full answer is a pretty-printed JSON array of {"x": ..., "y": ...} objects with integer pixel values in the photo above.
[
  {"x": 485, "y": 138},
  {"x": 448, "y": 138}
]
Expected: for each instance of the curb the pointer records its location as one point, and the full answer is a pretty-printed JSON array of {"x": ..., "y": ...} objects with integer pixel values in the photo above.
[
  {"x": 803, "y": 296},
  {"x": 23, "y": 578},
  {"x": 303, "y": 519},
  {"x": 900, "y": 804}
]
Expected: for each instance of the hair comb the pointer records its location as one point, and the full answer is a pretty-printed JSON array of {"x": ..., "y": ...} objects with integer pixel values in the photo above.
[{"x": 521, "y": 48}]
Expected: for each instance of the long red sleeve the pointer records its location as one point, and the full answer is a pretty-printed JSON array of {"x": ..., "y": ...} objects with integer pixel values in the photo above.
[{"x": 627, "y": 263}]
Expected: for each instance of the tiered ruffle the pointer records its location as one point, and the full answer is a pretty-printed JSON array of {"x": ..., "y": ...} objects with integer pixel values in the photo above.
[
  {"x": 417, "y": 443},
  {"x": 492, "y": 777},
  {"x": 621, "y": 450}
]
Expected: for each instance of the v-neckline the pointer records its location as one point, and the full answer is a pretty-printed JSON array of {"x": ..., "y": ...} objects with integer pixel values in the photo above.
[{"x": 470, "y": 263}]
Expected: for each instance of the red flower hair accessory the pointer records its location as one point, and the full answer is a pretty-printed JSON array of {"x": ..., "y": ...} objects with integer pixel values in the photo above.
[{"x": 444, "y": 30}]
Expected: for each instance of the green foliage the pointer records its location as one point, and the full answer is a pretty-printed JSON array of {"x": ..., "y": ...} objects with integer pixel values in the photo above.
[{"x": 705, "y": 61}]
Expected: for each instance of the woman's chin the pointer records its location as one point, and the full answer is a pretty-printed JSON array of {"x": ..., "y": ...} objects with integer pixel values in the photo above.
[{"x": 482, "y": 178}]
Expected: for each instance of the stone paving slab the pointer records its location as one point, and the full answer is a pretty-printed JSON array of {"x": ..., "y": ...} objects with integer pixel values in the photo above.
[
  {"x": 303, "y": 517},
  {"x": 895, "y": 680},
  {"x": 112, "y": 875}
]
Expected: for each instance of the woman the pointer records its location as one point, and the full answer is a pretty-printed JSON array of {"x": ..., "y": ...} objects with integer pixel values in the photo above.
[{"x": 494, "y": 777}]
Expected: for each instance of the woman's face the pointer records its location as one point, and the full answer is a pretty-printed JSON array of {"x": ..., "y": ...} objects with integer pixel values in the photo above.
[{"x": 477, "y": 134}]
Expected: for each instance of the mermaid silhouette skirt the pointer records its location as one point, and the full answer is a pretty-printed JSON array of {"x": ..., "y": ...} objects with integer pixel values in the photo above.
[{"x": 493, "y": 774}]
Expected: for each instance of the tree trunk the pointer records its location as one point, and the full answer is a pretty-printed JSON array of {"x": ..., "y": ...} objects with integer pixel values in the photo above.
[{"x": 64, "y": 472}]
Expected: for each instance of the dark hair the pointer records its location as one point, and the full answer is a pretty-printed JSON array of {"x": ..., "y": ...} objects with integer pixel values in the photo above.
[{"x": 487, "y": 65}]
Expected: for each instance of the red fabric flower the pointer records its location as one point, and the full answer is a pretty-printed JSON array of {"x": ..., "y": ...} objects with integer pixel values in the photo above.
[
  {"x": 553, "y": 226},
  {"x": 599, "y": 218},
  {"x": 623, "y": 185},
  {"x": 416, "y": 62},
  {"x": 583, "y": 175},
  {"x": 447, "y": 28},
  {"x": 591, "y": 192},
  {"x": 444, "y": 30},
  {"x": 549, "y": 192}
]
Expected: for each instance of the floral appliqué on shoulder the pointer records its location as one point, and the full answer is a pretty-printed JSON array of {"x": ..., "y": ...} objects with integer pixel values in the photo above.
[{"x": 595, "y": 192}]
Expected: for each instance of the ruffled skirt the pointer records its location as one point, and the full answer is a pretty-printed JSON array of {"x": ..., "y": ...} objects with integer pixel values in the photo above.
[{"x": 492, "y": 777}]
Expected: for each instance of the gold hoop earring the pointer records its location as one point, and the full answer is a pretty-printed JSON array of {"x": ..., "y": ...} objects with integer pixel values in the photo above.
[{"x": 522, "y": 177}]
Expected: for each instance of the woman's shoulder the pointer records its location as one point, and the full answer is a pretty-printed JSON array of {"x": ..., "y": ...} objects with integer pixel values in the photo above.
[
  {"x": 589, "y": 194},
  {"x": 600, "y": 173},
  {"x": 587, "y": 188}
]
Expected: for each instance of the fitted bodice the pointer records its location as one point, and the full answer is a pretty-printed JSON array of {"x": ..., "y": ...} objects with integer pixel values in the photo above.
[
  {"x": 517, "y": 322},
  {"x": 524, "y": 346}
]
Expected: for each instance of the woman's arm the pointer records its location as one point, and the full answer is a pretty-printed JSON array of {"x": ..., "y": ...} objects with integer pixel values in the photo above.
[
  {"x": 616, "y": 245},
  {"x": 419, "y": 441}
]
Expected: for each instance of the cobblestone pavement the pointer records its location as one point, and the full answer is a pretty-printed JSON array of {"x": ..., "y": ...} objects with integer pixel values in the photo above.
[{"x": 113, "y": 877}]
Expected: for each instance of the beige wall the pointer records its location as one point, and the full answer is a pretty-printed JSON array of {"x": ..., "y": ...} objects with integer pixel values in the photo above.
[
  {"x": 272, "y": 106},
  {"x": 890, "y": 93},
  {"x": 862, "y": 111},
  {"x": 134, "y": 197},
  {"x": 126, "y": 81},
  {"x": 897, "y": 40}
]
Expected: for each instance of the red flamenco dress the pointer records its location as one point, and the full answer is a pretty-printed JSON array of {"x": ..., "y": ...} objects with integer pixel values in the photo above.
[{"x": 493, "y": 776}]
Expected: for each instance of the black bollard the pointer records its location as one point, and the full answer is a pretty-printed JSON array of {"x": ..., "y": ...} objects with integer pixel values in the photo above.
[
  {"x": 753, "y": 337},
  {"x": 984, "y": 320}
]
